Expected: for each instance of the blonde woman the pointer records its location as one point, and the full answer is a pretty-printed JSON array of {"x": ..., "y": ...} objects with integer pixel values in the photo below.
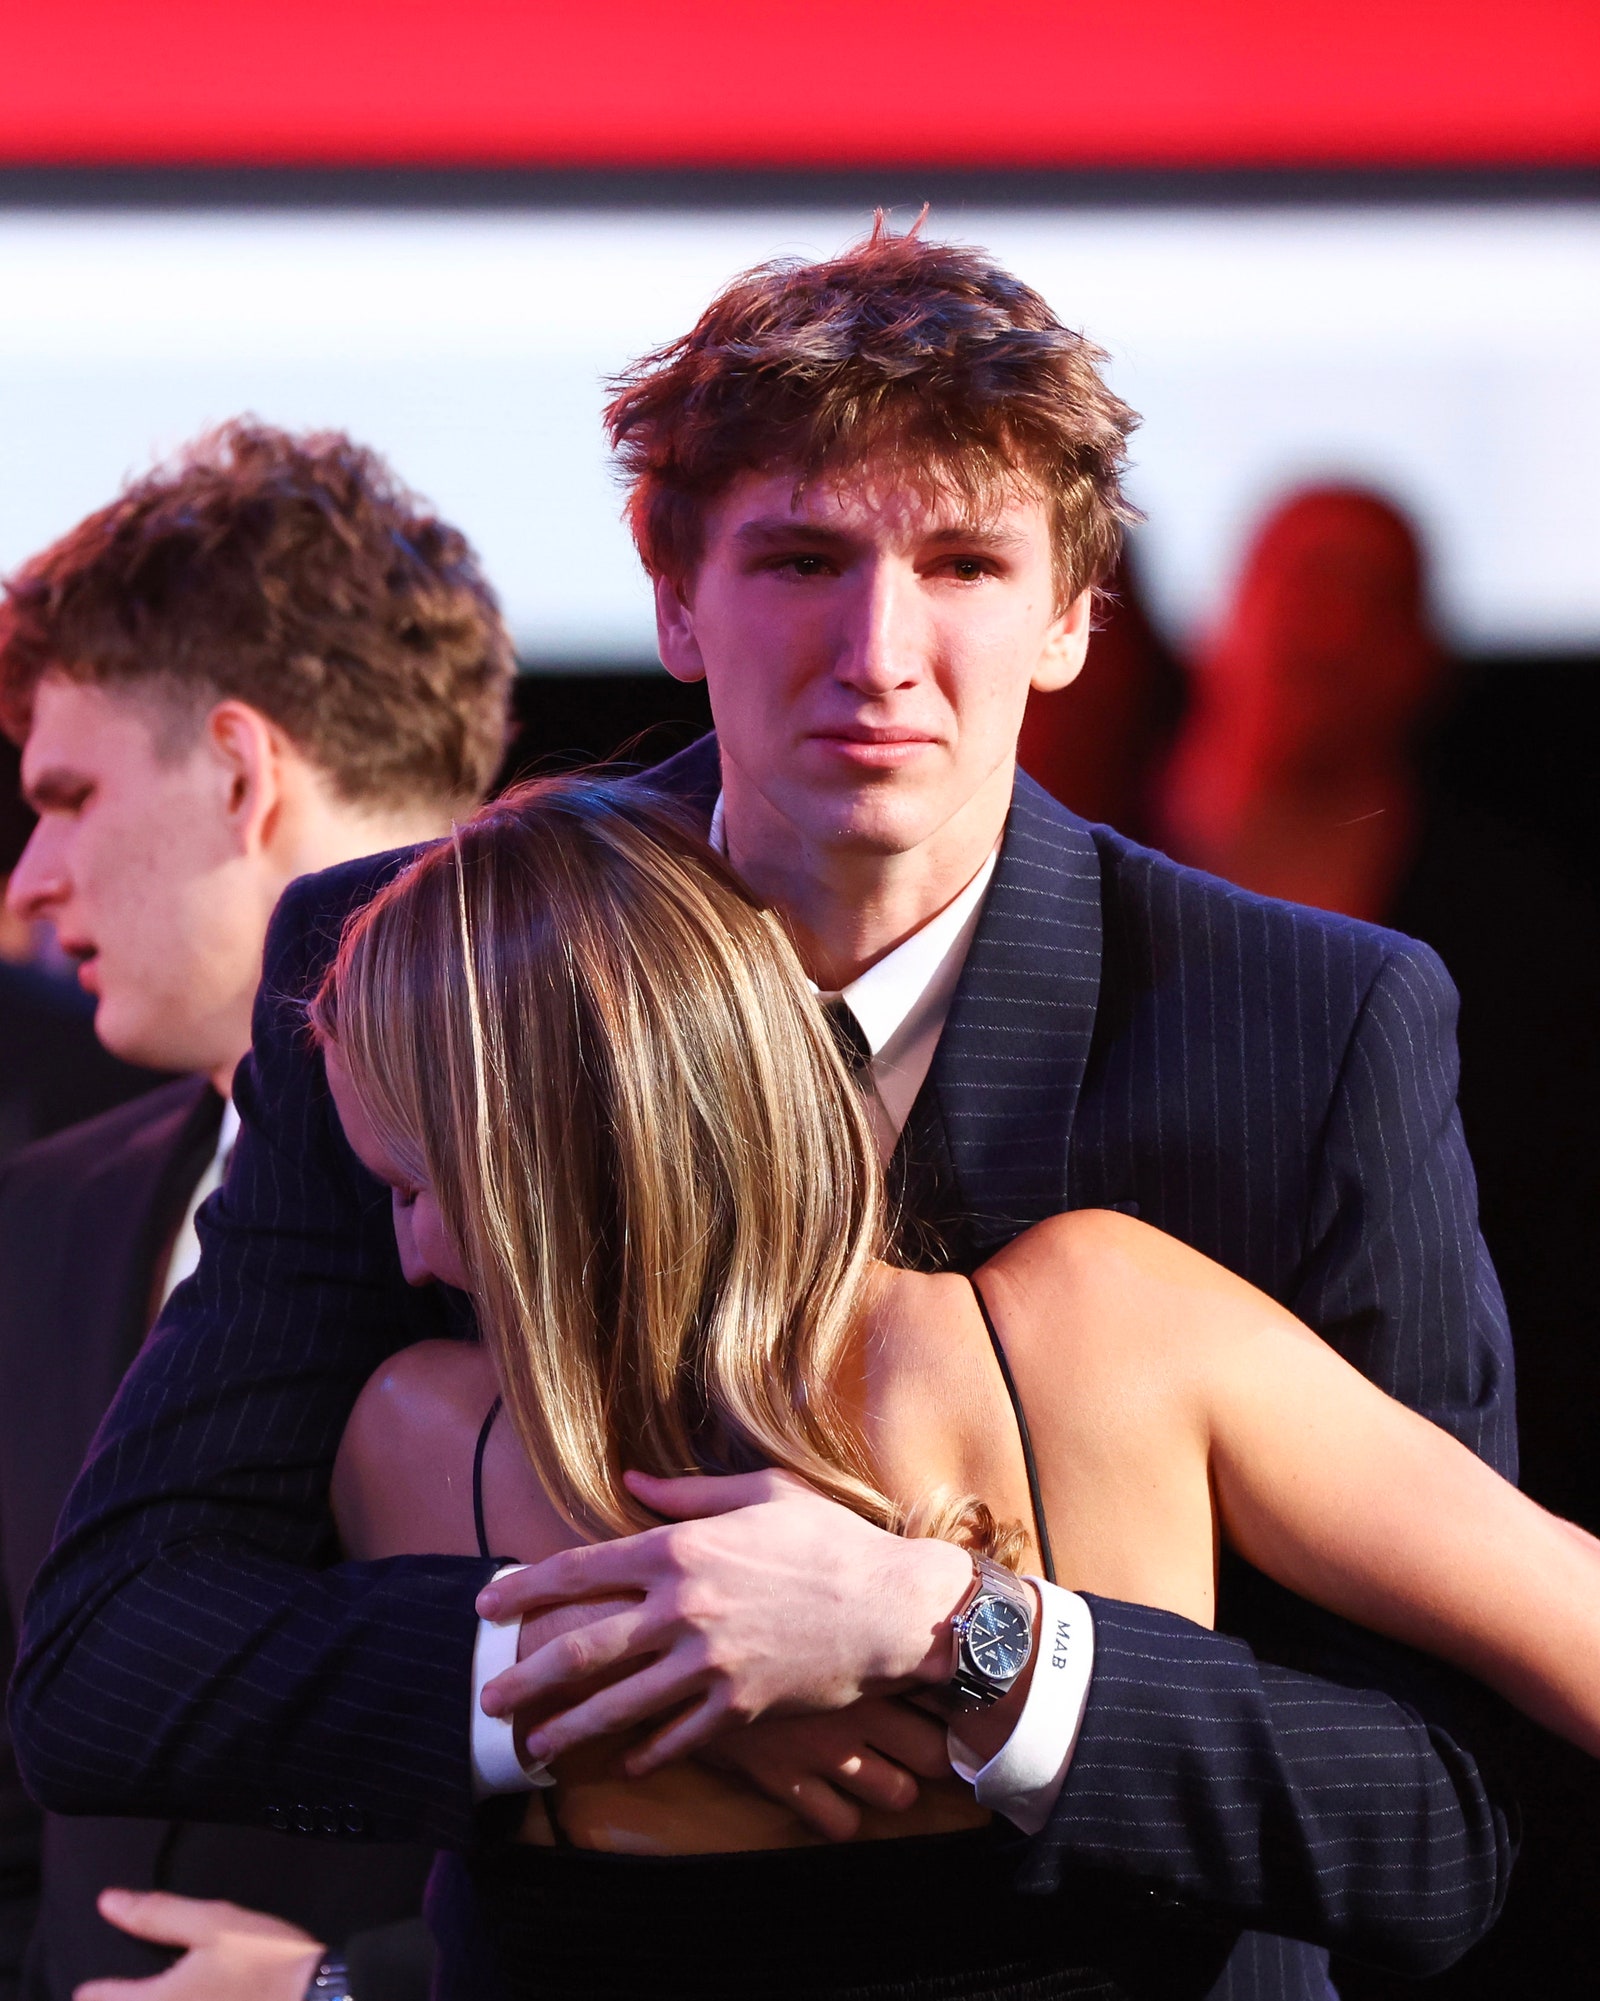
[{"x": 609, "y": 1108}]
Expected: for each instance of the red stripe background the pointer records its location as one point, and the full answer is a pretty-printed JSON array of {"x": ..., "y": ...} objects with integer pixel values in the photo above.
[{"x": 826, "y": 83}]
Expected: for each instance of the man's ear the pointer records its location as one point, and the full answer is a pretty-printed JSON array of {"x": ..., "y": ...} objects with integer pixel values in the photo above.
[
  {"x": 1065, "y": 649},
  {"x": 680, "y": 650},
  {"x": 248, "y": 753}
]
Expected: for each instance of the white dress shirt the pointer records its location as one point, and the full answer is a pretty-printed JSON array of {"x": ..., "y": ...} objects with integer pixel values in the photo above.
[
  {"x": 185, "y": 1255},
  {"x": 902, "y": 1002}
]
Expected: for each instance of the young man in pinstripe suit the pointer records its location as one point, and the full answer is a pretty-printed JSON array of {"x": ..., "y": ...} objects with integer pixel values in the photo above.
[{"x": 876, "y": 496}]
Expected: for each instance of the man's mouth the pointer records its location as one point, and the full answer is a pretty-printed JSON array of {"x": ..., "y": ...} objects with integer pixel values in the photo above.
[
  {"x": 874, "y": 748},
  {"x": 88, "y": 961}
]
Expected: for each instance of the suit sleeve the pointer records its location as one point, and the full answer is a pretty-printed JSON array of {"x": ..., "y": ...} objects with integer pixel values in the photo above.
[
  {"x": 193, "y": 1647},
  {"x": 1314, "y": 1781}
]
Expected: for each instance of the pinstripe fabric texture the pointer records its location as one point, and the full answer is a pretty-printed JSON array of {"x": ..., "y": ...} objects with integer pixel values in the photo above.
[{"x": 1275, "y": 1086}]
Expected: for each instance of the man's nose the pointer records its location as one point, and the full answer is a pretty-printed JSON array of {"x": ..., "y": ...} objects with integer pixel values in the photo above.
[
  {"x": 38, "y": 882},
  {"x": 882, "y": 644}
]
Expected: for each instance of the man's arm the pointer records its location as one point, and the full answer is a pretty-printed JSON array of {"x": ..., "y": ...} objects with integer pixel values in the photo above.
[
  {"x": 1338, "y": 1797},
  {"x": 1355, "y": 1810},
  {"x": 192, "y": 1647}
]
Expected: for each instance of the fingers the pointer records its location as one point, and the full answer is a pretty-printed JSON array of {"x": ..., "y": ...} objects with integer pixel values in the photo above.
[
  {"x": 632, "y": 1563},
  {"x": 684, "y": 1734},
  {"x": 576, "y": 1655},
  {"x": 162, "y": 1918},
  {"x": 231, "y": 1954},
  {"x": 876, "y": 1782},
  {"x": 906, "y": 1735},
  {"x": 540, "y": 1628},
  {"x": 823, "y": 1810},
  {"x": 623, "y": 1704}
]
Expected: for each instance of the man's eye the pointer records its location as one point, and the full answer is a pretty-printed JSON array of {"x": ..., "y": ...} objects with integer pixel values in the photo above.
[
  {"x": 804, "y": 566},
  {"x": 968, "y": 568}
]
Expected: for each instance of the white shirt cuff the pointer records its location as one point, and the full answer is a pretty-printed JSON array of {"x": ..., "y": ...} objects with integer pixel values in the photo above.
[
  {"x": 1023, "y": 1780},
  {"x": 497, "y": 1765}
]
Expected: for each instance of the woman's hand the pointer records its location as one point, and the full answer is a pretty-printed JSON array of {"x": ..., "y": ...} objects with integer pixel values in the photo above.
[
  {"x": 826, "y": 1768},
  {"x": 231, "y": 1954},
  {"x": 761, "y": 1599}
]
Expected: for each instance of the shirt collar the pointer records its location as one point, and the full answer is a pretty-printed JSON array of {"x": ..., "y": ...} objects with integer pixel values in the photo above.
[{"x": 889, "y": 991}]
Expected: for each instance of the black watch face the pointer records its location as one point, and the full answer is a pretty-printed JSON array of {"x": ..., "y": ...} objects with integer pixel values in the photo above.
[{"x": 997, "y": 1639}]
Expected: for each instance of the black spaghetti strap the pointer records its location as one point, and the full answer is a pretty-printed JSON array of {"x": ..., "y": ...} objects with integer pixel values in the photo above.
[
  {"x": 1040, "y": 1528},
  {"x": 477, "y": 1478}
]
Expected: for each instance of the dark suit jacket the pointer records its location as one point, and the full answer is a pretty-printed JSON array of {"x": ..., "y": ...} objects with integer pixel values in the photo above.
[
  {"x": 1274, "y": 1085},
  {"x": 53, "y": 1069},
  {"x": 86, "y": 1220}
]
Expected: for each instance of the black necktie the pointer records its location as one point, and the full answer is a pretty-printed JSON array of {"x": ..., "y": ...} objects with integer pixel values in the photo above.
[{"x": 850, "y": 1036}]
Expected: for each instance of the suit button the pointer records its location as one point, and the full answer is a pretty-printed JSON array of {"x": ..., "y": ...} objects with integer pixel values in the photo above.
[
  {"x": 277, "y": 1820},
  {"x": 305, "y": 1821},
  {"x": 328, "y": 1821},
  {"x": 355, "y": 1821}
]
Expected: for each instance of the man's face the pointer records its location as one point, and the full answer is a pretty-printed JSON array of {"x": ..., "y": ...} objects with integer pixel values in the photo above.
[
  {"x": 135, "y": 862},
  {"x": 869, "y": 653}
]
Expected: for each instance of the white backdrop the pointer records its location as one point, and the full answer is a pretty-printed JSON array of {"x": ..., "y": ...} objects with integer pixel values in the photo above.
[{"x": 1450, "y": 355}]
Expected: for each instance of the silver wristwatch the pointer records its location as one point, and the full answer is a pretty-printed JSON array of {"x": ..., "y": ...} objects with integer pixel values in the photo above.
[{"x": 993, "y": 1634}]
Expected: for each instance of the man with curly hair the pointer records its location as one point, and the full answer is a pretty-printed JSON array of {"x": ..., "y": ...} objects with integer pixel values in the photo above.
[{"x": 260, "y": 660}]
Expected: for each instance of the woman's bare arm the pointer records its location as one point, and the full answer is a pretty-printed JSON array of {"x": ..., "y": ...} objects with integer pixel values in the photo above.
[
  {"x": 1320, "y": 1480},
  {"x": 402, "y": 1483}
]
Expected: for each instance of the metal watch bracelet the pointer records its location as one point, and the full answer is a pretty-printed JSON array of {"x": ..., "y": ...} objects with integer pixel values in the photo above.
[
  {"x": 331, "y": 1981},
  {"x": 993, "y": 1631}
]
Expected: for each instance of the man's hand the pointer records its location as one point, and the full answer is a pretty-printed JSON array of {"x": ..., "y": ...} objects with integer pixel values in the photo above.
[
  {"x": 762, "y": 1599},
  {"x": 826, "y": 1768},
  {"x": 232, "y": 1954}
]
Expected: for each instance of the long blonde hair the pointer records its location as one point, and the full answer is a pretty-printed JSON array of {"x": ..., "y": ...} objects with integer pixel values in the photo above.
[{"x": 604, "y": 1058}]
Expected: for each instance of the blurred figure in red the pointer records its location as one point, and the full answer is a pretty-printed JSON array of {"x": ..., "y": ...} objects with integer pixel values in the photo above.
[
  {"x": 1297, "y": 775},
  {"x": 1303, "y": 773},
  {"x": 1099, "y": 744}
]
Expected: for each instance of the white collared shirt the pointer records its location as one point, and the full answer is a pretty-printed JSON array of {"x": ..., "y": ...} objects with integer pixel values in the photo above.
[
  {"x": 902, "y": 1003},
  {"x": 902, "y": 1000},
  {"x": 184, "y": 1259}
]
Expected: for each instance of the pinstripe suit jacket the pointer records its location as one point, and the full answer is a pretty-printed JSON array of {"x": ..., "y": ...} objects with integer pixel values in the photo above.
[{"x": 1274, "y": 1085}]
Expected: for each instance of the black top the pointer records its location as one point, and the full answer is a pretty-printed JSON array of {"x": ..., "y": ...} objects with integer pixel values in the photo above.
[{"x": 878, "y": 1921}]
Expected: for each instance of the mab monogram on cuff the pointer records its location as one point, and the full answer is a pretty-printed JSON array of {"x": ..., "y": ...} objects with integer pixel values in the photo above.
[{"x": 1023, "y": 1780}]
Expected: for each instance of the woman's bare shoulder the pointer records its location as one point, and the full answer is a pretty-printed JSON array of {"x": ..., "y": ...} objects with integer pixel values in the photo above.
[
  {"x": 1089, "y": 1286},
  {"x": 402, "y": 1480},
  {"x": 431, "y": 1383},
  {"x": 1095, "y": 1248}
]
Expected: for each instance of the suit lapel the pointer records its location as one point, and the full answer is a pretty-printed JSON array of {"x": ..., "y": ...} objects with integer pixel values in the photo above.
[
  {"x": 1006, "y": 1075},
  {"x": 693, "y": 776},
  {"x": 984, "y": 1153}
]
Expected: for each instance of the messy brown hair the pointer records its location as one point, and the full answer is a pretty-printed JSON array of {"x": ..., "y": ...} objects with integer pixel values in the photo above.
[
  {"x": 926, "y": 357},
  {"x": 572, "y": 1022},
  {"x": 294, "y": 573}
]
